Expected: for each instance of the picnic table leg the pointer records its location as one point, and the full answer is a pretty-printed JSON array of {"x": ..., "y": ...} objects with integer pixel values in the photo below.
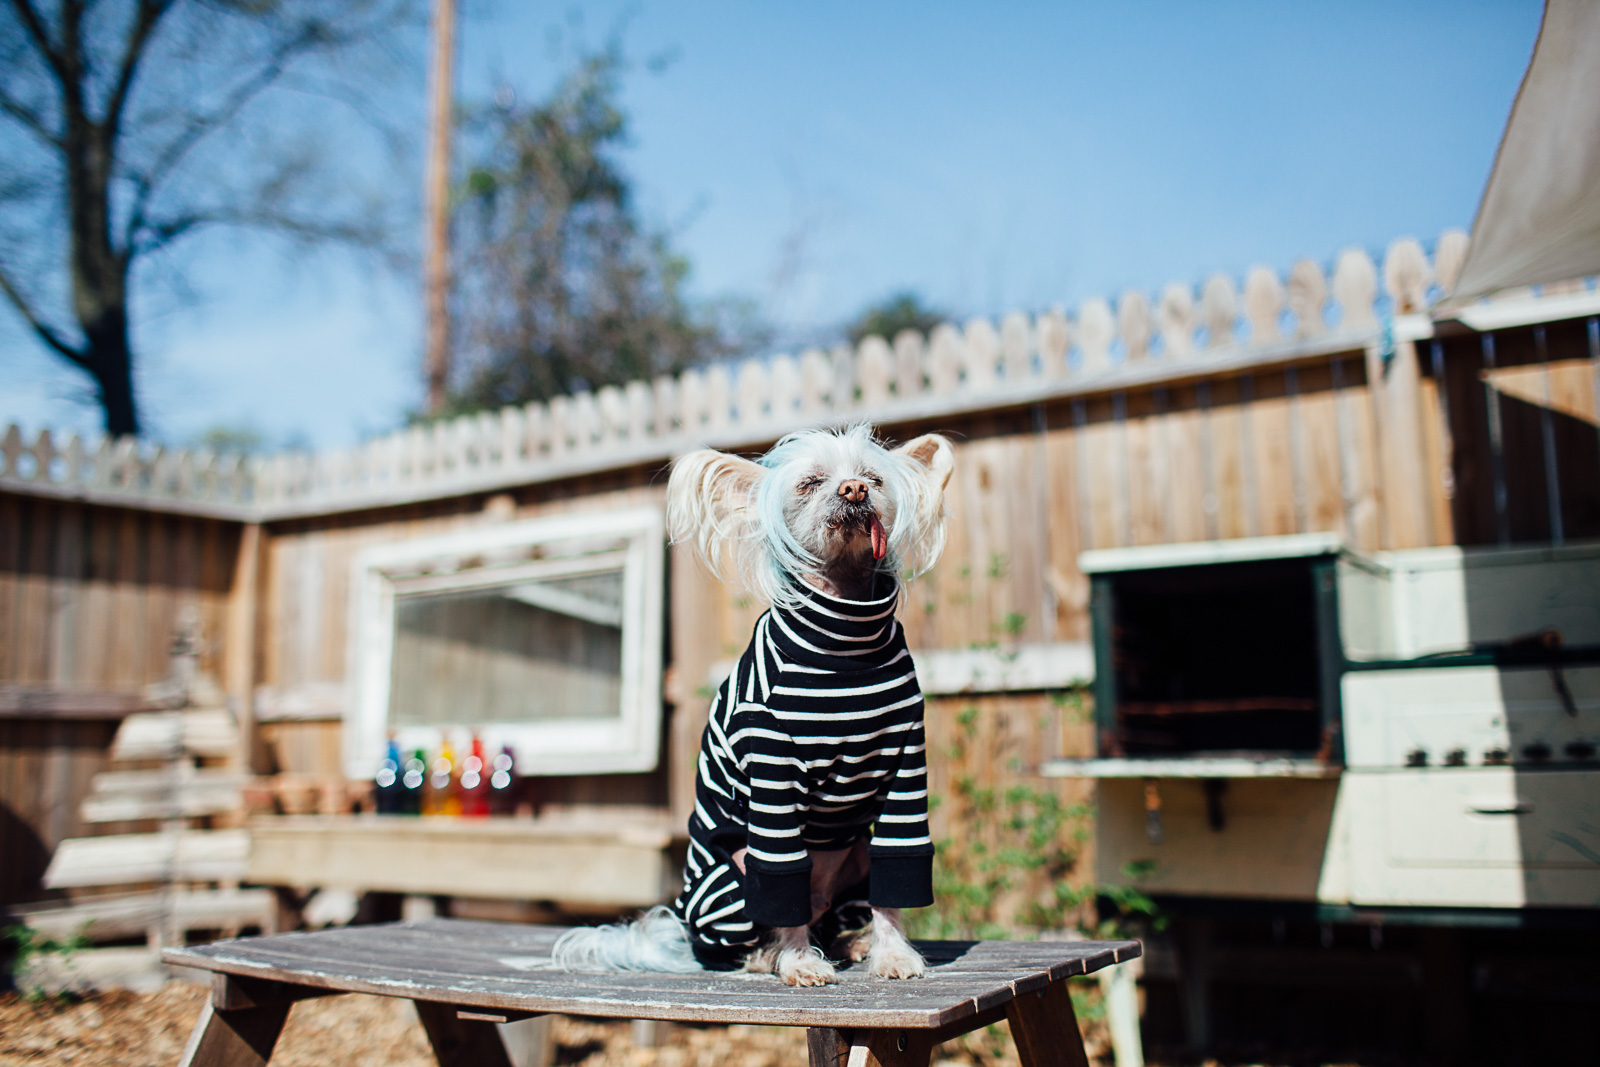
[
  {"x": 868, "y": 1048},
  {"x": 461, "y": 1042},
  {"x": 1045, "y": 1029},
  {"x": 243, "y": 1037}
]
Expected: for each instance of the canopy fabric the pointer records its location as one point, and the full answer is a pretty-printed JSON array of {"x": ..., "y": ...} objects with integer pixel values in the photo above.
[{"x": 1540, "y": 216}]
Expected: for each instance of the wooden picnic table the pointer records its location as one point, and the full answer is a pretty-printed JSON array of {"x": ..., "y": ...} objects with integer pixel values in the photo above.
[{"x": 465, "y": 977}]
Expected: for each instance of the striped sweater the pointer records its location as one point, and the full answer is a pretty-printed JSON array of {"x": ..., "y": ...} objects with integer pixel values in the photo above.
[{"x": 815, "y": 741}]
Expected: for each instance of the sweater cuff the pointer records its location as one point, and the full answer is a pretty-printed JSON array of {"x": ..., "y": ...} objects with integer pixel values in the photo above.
[
  {"x": 901, "y": 882},
  {"x": 777, "y": 899}
]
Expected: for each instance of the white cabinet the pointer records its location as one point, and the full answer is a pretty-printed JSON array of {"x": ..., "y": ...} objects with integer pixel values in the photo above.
[
  {"x": 1473, "y": 837},
  {"x": 1425, "y": 601},
  {"x": 1470, "y": 715}
]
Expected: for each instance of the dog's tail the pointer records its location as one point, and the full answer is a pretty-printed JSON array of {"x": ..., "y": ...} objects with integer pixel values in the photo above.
[{"x": 656, "y": 941}]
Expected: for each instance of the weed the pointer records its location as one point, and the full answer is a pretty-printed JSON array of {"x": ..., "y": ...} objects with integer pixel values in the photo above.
[{"x": 24, "y": 944}]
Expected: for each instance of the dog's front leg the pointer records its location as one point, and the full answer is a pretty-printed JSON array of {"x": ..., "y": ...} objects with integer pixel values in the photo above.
[
  {"x": 790, "y": 956},
  {"x": 891, "y": 955}
]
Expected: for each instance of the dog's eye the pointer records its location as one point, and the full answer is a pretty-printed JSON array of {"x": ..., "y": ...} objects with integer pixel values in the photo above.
[
  {"x": 808, "y": 484},
  {"x": 877, "y": 482}
]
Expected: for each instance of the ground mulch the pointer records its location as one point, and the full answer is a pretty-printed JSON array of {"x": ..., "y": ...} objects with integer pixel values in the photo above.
[{"x": 121, "y": 1029}]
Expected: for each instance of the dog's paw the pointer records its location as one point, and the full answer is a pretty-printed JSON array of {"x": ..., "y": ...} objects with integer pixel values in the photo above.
[
  {"x": 806, "y": 969},
  {"x": 860, "y": 947},
  {"x": 895, "y": 961}
]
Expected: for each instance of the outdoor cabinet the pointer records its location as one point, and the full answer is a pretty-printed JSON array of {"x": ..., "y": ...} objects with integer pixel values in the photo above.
[
  {"x": 1285, "y": 718},
  {"x": 1220, "y": 654}
]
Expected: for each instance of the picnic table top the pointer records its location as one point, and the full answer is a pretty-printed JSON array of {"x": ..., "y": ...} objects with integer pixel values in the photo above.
[{"x": 506, "y": 966}]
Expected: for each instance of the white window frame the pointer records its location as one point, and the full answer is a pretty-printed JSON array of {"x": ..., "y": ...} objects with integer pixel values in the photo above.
[{"x": 380, "y": 574}]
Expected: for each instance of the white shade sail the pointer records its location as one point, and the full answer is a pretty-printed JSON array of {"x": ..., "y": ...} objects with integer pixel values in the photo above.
[{"x": 1540, "y": 216}]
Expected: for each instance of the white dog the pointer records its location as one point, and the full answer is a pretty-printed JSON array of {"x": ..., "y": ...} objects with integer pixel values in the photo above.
[{"x": 811, "y": 807}]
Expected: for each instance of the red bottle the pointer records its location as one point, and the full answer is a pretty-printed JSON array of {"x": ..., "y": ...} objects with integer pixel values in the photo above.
[{"x": 475, "y": 781}]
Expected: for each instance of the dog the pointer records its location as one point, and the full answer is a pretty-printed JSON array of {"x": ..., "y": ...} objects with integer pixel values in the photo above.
[{"x": 810, "y": 826}]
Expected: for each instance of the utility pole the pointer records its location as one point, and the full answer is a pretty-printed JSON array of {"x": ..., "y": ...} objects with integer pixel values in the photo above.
[{"x": 436, "y": 264}]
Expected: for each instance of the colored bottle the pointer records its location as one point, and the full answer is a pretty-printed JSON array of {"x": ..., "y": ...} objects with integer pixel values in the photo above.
[
  {"x": 503, "y": 783},
  {"x": 443, "y": 793},
  {"x": 475, "y": 781},
  {"x": 387, "y": 780},
  {"x": 412, "y": 783}
]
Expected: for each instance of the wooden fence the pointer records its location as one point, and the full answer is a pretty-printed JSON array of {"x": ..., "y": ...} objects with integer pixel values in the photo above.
[
  {"x": 1377, "y": 423},
  {"x": 1024, "y": 357}
]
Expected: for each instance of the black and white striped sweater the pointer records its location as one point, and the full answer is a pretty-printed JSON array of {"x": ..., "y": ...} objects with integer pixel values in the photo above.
[{"x": 815, "y": 741}]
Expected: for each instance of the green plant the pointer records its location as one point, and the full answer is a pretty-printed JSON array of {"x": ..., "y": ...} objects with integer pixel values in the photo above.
[
  {"x": 1004, "y": 844},
  {"x": 24, "y": 944},
  {"x": 1006, "y": 866}
]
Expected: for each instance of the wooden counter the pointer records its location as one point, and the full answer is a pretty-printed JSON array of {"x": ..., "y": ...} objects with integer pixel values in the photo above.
[{"x": 589, "y": 860}]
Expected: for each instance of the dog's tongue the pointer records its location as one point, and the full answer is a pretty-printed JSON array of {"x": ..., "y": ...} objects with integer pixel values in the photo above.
[{"x": 880, "y": 540}]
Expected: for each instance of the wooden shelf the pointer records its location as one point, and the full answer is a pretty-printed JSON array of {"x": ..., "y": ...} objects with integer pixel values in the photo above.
[{"x": 1190, "y": 767}]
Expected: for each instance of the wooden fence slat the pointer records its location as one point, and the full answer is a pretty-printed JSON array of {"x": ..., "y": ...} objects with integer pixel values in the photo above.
[
  {"x": 1317, "y": 416},
  {"x": 1226, "y": 422},
  {"x": 1186, "y": 474},
  {"x": 1272, "y": 456}
]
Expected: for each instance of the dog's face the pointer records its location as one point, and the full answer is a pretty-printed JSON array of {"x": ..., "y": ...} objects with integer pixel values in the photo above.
[
  {"x": 836, "y": 501},
  {"x": 819, "y": 499}
]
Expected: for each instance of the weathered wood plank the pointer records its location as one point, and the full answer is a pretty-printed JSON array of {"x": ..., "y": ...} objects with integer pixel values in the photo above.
[
  {"x": 1068, "y": 586},
  {"x": 889, "y": 1048},
  {"x": 1147, "y": 474},
  {"x": 157, "y": 735},
  {"x": 51, "y": 702},
  {"x": 1272, "y": 456},
  {"x": 616, "y": 862},
  {"x": 459, "y": 1042},
  {"x": 1186, "y": 467},
  {"x": 243, "y": 1038},
  {"x": 1316, "y": 415},
  {"x": 127, "y": 859},
  {"x": 1225, "y": 428},
  {"x": 474, "y": 965},
  {"x": 1045, "y": 1029},
  {"x": 1394, "y": 384},
  {"x": 104, "y": 918},
  {"x": 122, "y": 796}
]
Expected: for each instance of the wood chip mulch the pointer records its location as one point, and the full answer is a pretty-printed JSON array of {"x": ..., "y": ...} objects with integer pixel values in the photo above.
[{"x": 121, "y": 1029}]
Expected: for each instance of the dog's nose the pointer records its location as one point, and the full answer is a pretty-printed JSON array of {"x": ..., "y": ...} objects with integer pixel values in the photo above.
[{"x": 853, "y": 490}]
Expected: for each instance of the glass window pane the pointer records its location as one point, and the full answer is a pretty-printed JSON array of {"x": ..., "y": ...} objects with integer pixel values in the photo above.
[{"x": 525, "y": 652}]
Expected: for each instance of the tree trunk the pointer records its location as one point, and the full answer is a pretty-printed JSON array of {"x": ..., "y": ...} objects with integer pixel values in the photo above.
[
  {"x": 99, "y": 271},
  {"x": 111, "y": 363}
]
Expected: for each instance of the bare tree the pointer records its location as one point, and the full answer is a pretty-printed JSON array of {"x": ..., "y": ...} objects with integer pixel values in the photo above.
[
  {"x": 129, "y": 125},
  {"x": 560, "y": 285}
]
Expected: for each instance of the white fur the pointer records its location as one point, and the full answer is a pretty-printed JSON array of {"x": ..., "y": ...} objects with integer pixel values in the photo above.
[
  {"x": 890, "y": 954},
  {"x": 753, "y": 525},
  {"x": 792, "y": 957},
  {"x": 656, "y": 941}
]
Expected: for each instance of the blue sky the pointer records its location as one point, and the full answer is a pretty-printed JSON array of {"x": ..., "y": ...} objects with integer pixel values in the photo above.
[{"x": 816, "y": 157}]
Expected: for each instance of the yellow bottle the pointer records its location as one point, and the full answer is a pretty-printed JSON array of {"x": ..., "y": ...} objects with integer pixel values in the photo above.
[{"x": 443, "y": 796}]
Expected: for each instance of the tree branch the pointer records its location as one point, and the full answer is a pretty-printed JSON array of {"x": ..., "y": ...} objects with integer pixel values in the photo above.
[
  {"x": 150, "y": 12},
  {"x": 49, "y": 336},
  {"x": 28, "y": 119},
  {"x": 160, "y": 233},
  {"x": 148, "y": 181},
  {"x": 41, "y": 38}
]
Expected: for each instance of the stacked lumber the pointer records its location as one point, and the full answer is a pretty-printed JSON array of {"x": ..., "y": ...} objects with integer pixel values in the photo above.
[{"x": 177, "y": 765}]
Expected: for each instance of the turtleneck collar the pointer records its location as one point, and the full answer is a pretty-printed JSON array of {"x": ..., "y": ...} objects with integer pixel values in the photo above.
[{"x": 833, "y": 633}]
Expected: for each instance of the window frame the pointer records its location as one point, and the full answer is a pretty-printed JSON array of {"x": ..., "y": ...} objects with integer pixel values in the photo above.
[{"x": 464, "y": 560}]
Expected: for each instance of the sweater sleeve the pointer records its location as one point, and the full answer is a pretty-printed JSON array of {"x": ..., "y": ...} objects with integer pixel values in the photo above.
[
  {"x": 777, "y": 867},
  {"x": 901, "y": 848}
]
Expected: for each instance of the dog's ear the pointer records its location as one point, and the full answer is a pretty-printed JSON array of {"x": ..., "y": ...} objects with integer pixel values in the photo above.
[
  {"x": 935, "y": 454},
  {"x": 918, "y": 534},
  {"x": 711, "y": 506}
]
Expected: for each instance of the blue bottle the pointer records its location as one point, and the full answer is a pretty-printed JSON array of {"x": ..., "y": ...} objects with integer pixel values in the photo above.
[{"x": 387, "y": 780}]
